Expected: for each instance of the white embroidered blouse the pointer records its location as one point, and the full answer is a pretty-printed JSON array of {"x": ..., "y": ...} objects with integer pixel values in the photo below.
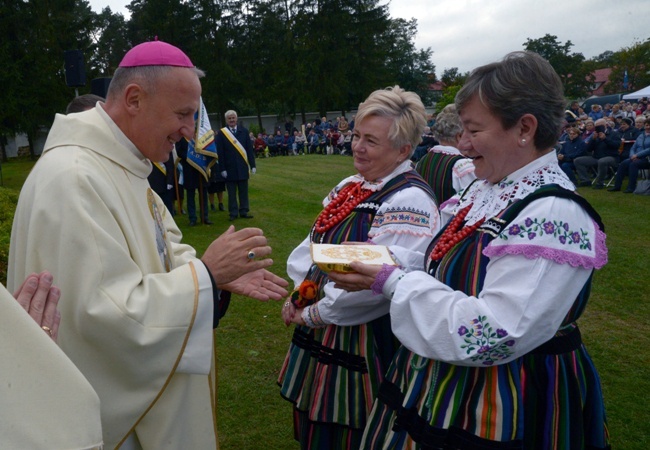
[
  {"x": 408, "y": 219},
  {"x": 538, "y": 265}
]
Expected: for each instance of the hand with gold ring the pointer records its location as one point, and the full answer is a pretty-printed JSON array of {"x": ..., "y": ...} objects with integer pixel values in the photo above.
[{"x": 39, "y": 298}]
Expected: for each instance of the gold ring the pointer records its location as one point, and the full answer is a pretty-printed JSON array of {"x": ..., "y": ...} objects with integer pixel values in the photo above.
[
  {"x": 47, "y": 329},
  {"x": 251, "y": 255}
]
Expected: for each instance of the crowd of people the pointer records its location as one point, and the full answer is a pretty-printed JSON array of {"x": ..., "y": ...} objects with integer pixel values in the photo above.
[
  {"x": 610, "y": 144},
  {"x": 321, "y": 136},
  {"x": 469, "y": 341},
  {"x": 620, "y": 110}
]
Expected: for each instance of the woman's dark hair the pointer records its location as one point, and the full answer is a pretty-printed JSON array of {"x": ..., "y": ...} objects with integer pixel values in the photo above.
[{"x": 522, "y": 83}]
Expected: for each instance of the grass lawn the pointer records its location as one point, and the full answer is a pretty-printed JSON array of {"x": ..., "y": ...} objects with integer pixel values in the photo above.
[{"x": 252, "y": 340}]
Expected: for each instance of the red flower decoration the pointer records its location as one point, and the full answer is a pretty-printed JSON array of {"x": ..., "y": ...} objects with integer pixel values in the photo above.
[
  {"x": 308, "y": 290},
  {"x": 304, "y": 295}
]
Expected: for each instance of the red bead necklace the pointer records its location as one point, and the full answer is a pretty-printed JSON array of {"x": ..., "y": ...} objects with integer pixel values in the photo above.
[
  {"x": 341, "y": 206},
  {"x": 453, "y": 234}
]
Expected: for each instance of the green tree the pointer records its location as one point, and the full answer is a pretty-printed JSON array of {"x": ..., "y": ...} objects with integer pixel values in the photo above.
[
  {"x": 110, "y": 41},
  {"x": 210, "y": 38},
  {"x": 605, "y": 59},
  {"x": 50, "y": 28},
  {"x": 12, "y": 15},
  {"x": 168, "y": 20},
  {"x": 368, "y": 43},
  {"x": 576, "y": 78},
  {"x": 452, "y": 77},
  {"x": 448, "y": 96},
  {"x": 636, "y": 61},
  {"x": 412, "y": 69}
]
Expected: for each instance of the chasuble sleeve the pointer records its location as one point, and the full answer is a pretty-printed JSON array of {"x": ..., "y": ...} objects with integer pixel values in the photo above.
[{"x": 46, "y": 401}]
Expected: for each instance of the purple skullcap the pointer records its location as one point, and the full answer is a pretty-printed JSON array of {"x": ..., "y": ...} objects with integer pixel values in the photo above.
[{"x": 155, "y": 53}]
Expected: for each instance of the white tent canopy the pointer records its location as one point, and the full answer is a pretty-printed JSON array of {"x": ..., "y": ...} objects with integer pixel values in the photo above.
[{"x": 645, "y": 92}]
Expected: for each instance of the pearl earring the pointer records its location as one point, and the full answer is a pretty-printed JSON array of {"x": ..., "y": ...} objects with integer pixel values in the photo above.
[{"x": 523, "y": 141}]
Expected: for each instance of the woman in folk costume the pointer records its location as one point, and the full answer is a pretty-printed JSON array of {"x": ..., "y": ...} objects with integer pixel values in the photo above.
[
  {"x": 343, "y": 343},
  {"x": 445, "y": 169},
  {"x": 491, "y": 354}
]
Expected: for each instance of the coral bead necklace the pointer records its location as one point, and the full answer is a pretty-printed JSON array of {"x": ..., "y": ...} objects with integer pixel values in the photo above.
[
  {"x": 341, "y": 206},
  {"x": 453, "y": 234}
]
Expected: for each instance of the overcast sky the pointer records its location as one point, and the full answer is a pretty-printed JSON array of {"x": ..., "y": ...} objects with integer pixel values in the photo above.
[{"x": 468, "y": 33}]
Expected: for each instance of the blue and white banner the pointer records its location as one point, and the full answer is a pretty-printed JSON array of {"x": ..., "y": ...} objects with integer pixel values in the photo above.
[{"x": 202, "y": 151}]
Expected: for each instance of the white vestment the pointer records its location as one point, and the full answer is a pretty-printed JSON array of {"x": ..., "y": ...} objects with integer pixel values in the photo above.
[
  {"x": 46, "y": 403},
  {"x": 136, "y": 304}
]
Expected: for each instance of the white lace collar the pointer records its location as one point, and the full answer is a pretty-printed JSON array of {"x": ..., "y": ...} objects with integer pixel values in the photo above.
[
  {"x": 489, "y": 199},
  {"x": 445, "y": 150}
]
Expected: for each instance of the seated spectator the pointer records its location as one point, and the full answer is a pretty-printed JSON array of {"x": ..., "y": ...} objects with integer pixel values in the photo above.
[
  {"x": 575, "y": 109},
  {"x": 332, "y": 141},
  {"x": 638, "y": 160},
  {"x": 570, "y": 117},
  {"x": 596, "y": 113},
  {"x": 259, "y": 145},
  {"x": 643, "y": 105},
  {"x": 343, "y": 125},
  {"x": 582, "y": 115},
  {"x": 607, "y": 110},
  {"x": 324, "y": 124},
  {"x": 347, "y": 143},
  {"x": 322, "y": 142},
  {"x": 274, "y": 143},
  {"x": 285, "y": 144},
  {"x": 572, "y": 148},
  {"x": 614, "y": 123},
  {"x": 629, "y": 112},
  {"x": 588, "y": 131},
  {"x": 628, "y": 136},
  {"x": 313, "y": 142},
  {"x": 602, "y": 152},
  {"x": 339, "y": 143},
  {"x": 299, "y": 142}
]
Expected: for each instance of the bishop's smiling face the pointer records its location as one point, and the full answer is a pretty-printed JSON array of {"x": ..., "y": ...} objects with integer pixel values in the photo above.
[{"x": 167, "y": 114}]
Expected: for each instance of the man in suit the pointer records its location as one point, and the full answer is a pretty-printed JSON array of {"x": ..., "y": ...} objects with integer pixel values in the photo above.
[
  {"x": 192, "y": 183},
  {"x": 161, "y": 180},
  {"x": 236, "y": 163}
]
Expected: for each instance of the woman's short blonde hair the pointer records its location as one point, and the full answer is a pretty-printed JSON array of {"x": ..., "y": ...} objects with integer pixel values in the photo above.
[{"x": 406, "y": 110}]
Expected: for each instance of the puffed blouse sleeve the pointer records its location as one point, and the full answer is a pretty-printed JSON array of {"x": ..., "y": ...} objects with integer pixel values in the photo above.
[{"x": 537, "y": 267}]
